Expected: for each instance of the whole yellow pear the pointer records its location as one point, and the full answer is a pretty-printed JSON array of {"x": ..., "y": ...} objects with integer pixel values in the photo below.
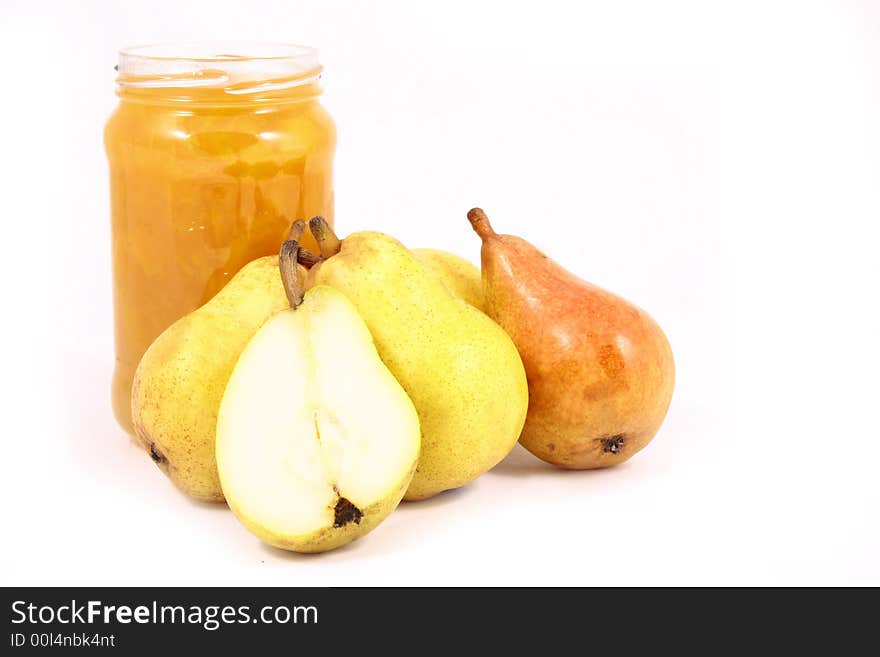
[
  {"x": 460, "y": 369},
  {"x": 180, "y": 380}
]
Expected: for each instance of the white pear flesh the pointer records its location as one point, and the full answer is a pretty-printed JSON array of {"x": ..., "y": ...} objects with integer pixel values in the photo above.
[{"x": 316, "y": 440}]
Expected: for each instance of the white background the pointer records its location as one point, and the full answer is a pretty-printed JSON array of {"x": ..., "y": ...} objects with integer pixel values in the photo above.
[{"x": 717, "y": 163}]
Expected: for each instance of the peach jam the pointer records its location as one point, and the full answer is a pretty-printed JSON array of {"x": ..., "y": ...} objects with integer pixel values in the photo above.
[{"x": 213, "y": 151}]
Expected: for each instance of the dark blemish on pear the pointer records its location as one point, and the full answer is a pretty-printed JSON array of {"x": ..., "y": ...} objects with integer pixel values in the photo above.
[
  {"x": 551, "y": 447},
  {"x": 613, "y": 445},
  {"x": 345, "y": 512},
  {"x": 156, "y": 455}
]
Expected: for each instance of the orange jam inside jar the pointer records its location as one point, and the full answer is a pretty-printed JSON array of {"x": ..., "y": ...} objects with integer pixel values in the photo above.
[{"x": 213, "y": 151}]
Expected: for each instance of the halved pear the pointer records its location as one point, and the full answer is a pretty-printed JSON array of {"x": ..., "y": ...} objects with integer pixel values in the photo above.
[{"x": 316, "y": 440}]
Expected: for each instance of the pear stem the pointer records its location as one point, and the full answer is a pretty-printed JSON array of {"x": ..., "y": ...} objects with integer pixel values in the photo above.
[
  {"x": 291, "y": 276},
  {"x": 297, "y": 228},
  {"x": 328, "y": 243},
  {"x": 308, "y": 259},
  {"x": 480, "y": 223}
]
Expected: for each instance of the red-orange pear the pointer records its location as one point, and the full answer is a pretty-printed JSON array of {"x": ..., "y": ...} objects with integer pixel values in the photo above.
[{"x": 600, "y": 370}]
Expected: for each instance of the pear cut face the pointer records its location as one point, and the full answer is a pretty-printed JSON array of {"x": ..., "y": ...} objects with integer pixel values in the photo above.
[{"x": 316, "y": 440}]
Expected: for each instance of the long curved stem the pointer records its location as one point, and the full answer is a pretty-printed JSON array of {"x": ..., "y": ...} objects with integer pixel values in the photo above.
[
  {"x": 297, "y": 228},
  {"x": 308, "y": 259},
  {"x": 328, "y": 243},
  {"x": 291, "y": 276}
]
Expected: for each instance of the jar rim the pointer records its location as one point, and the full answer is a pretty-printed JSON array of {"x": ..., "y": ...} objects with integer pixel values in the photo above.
[
  {"x": 228, "y": 64},
  {"x": 217, "y": 51}
]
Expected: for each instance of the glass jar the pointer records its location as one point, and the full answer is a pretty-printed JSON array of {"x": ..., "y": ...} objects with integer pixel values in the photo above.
[{"x": 213, "y": 151}]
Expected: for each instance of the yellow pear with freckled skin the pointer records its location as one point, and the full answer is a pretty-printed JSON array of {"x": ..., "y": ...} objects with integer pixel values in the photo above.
[
  {"x": 460, "y": 369},
  {"x": 316, "y": 439},
  {"x": 460, "y": 277},
  {"x": 181, "y": 378}
]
